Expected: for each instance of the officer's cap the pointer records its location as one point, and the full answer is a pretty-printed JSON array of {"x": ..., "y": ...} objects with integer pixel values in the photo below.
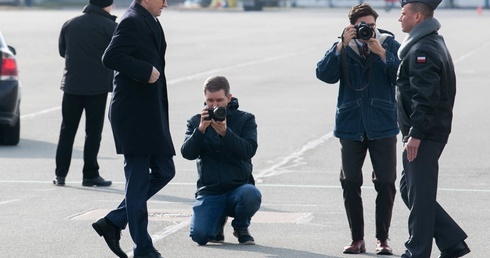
[{"x": 431, "y": 3}]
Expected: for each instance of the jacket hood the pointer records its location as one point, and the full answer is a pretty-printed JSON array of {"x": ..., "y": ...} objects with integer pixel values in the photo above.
[{"x": 233, "y": 105}]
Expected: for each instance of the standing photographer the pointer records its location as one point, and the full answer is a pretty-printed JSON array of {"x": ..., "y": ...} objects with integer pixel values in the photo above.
[
  {"x": 223, "y": 145},
  {"x": 365, "y": 63}
]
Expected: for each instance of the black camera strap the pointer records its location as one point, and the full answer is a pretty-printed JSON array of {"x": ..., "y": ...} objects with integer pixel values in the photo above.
[{"x": 345, "y": 67}]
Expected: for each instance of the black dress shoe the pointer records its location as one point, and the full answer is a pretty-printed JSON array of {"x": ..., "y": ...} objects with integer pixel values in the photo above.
[
  {"x": 59, "y": 181},
  {"x": 111, "y": 235},
  {"x": 98, "y": 181},
  {"x": 154, "y": 254},
  {"x": 458, "y": 250}
]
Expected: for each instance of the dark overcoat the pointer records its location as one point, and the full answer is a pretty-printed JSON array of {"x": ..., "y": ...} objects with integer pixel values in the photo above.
[
  {"x": 139, "y": 110},
  {"x": 82, "y": 42}
]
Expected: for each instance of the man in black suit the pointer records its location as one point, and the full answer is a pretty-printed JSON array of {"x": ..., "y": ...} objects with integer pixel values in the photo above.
[{"x": 139, "y": 118}]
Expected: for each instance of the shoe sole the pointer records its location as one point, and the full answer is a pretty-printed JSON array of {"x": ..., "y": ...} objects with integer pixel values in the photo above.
[
  {"x": 99, "y": 185},
  {"x": 248, "y": 243},
  {"x": 360, "y": 252},
  {"x": 384, "y": 253}
]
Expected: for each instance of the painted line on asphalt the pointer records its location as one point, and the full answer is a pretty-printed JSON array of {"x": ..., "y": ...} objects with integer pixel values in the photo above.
[
  {"x": 9, "y": 201},
  {"x": 42, "y": 112},
  {"x": 293, "y": 159},
  {"x": 472, "y": 52},
  {"x": 192, "y": 76},
  {"x": 193, "y": 184},
  {"x": 167, "y": 232},
  {"x": 236, "y": 66}
]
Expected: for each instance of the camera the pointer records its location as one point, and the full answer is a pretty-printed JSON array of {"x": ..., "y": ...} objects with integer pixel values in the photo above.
[
  {"x": 364, "y": 31},
  {"x": 218, "y": 113}
]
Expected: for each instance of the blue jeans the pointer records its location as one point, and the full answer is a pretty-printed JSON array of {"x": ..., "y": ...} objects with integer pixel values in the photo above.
[{"x": 210, "y": 212}]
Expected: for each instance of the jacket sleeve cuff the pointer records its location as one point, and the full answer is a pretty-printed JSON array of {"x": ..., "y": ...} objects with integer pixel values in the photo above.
[{"x": 415, "y": 133}]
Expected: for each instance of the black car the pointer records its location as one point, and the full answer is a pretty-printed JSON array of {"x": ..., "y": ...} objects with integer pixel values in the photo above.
[{"x": 9, "y": 95}]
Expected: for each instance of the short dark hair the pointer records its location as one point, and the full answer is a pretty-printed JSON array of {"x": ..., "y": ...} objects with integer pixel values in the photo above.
[
  {"x": 361, "y": 10},
  {"x": 216, "y": 83},
  {"x": 422, "y": 8}
]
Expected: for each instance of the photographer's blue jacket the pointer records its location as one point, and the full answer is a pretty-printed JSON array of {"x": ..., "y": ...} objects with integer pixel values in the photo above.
[
  {"x": 223, "y": 163},
  {"x": 366, "y": 105}
]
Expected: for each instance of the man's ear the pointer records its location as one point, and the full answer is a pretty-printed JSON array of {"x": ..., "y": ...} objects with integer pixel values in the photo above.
[
  {"x": 229, "y": 97},
  {"x": 418, "y": 17}
]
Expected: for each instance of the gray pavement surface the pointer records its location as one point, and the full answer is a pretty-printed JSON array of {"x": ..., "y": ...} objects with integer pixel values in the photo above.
[{"x": 270, "y": 59}]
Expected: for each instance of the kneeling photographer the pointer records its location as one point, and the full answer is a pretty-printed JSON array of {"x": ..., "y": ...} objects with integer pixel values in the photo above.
[
  {"x": 222, "y": 140},
  {"x": 365, "y": 62}
]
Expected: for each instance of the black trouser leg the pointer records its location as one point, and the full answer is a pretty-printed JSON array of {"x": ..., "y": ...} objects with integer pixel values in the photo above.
[
  {"x": 94, "y": 123},
  {"x": 353, "y": 154},
  {"x": 383, "y": 158},
  {"x": 71, "y": 111},
  {"x": 427, "y": 219}
]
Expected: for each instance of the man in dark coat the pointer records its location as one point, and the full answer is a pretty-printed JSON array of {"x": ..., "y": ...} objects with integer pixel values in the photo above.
[
  {"x": 223, "y": 147},
  {"x": 139, "y": 118},
  {"x": 85, "y": 84},
  {"x": 425, "y": 96}
]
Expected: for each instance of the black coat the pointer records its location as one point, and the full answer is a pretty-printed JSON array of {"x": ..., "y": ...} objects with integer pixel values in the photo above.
[
  {"x": 139, "y": 110},
  {"x": 223, "y": 163},
  {"x": 426, "y": 85},
  {"x": 82, "y": 42}
]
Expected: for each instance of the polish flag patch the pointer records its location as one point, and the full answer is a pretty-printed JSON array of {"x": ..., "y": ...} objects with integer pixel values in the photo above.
[{"x": 421, "y": 59}]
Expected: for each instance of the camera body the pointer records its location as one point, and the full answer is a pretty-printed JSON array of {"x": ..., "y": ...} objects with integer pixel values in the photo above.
[
  {"x": 218, "y": 113},
  {"x": 364, "y": 31}
]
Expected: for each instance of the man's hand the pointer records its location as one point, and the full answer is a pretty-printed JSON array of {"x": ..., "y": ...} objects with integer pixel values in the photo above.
[
  {"x": 155, "y": 74},
  {"x": 375, "y": 47},
  {"x": 347, "y": 35},
  {"x": 203, "y": 125},
  {"x": 219, "y": 127},
  {"x": 412, "y": 148}
]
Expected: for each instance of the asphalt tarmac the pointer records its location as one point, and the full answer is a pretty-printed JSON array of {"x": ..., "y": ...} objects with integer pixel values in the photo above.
[{"x": 269, "y": 58}]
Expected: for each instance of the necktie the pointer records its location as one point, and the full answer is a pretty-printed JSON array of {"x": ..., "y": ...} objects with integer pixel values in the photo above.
[{"x": 365, "y": 50}]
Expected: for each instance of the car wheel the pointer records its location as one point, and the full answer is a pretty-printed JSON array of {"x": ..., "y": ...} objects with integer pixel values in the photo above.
[{"x": 10, "y": 135}]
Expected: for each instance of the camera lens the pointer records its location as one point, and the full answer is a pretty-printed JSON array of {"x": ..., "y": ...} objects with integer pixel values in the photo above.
[
  {"x": 219, "y": 113},
  {"x": 365, "y": 33}
]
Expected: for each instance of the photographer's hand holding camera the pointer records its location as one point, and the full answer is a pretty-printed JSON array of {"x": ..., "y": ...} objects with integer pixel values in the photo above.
[
  {"x": 214, "y": 113},
  {"x": 354, "y": 32},
  {"x": 222, "y": 139},
  {"x": 365, "y": 63}
]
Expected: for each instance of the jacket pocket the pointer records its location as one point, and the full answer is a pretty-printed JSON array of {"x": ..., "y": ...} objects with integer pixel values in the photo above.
[
  {"x": 383, "y": 115},
  {"x": 347, "y": 118}
]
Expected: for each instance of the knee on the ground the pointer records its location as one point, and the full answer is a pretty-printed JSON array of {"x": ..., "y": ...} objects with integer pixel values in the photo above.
[{"x": 201, "y": 238}]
